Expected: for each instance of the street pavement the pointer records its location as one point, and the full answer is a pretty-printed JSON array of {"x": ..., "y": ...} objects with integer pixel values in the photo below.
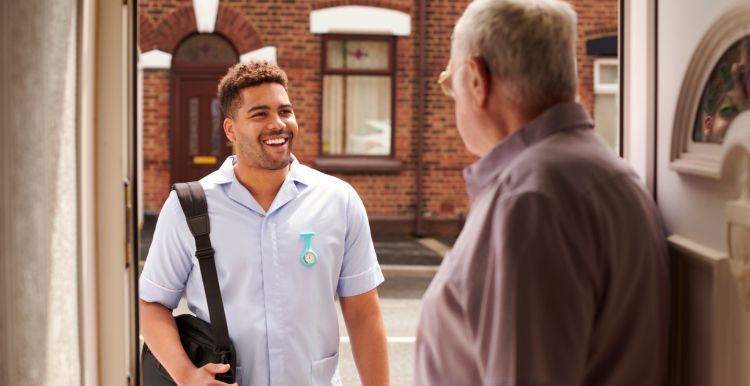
[{"x": 401, "y": 302}]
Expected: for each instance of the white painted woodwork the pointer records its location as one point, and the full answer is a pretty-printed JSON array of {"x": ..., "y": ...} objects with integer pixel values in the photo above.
[
  {"x": 355, "y": 19},
  {"x": 155, "y": 59},
  {"x": 205, "y": 15},
  {"x": 112, "y": 123},
  {"x": 712, "y": 324}
]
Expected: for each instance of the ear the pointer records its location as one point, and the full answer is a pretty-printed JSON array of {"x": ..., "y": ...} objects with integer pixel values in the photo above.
[
  {"x": 707, "y": 127},
  {"x": 229, "y": 129},
  {"x": 478, "y": 80}
]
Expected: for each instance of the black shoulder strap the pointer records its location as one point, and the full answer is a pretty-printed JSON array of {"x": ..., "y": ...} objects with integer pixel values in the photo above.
[{"x": 193, "y": 202}]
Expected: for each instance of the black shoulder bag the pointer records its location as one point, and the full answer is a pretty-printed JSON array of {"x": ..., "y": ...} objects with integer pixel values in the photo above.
[{"x": 204, "y": 343}]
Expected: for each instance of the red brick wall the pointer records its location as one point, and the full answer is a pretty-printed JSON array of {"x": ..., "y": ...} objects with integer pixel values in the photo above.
[
  {"x": 156, "y": 160},
  {"x": 250, "y": 24},
  {"x": 596, "y": 18}
]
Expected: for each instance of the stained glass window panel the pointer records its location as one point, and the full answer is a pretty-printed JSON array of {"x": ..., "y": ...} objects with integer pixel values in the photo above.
[
  {"x": 205, "y": 48},
  {"x": 194, "y": 132},
  {"x": 358, "y": 54},
  {"x": 216, "y": 126},
  {"x": 726, "y": 94}
]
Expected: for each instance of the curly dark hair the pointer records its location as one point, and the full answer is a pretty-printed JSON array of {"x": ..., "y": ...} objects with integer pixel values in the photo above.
[{"x": 244, "y": 75}]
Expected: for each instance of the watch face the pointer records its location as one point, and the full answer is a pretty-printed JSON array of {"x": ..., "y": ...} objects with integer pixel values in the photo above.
[{"x": 310, "y": 258}]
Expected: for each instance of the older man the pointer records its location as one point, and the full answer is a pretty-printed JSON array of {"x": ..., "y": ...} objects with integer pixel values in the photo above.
[{"x": 560, "y": 275}]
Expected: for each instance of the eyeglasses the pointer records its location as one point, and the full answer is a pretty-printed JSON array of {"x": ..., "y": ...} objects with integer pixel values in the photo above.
[{"x": 447, "y": 86}]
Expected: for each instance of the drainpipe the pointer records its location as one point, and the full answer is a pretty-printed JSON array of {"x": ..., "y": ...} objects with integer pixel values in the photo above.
[{"x": 420, "y": 111}]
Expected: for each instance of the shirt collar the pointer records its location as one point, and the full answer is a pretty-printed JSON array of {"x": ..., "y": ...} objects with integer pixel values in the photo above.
[
  {"x": 560, "y": 117},
  {"x": 239, "y": 193},
  {"x": 226, "y": 171}
]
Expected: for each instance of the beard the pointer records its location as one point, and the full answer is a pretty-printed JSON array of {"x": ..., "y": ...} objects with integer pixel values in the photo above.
[{"x": 257, "y": 153}]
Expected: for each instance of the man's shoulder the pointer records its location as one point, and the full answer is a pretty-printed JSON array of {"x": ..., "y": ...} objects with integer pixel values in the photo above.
[{"x": 566, "y": 164}]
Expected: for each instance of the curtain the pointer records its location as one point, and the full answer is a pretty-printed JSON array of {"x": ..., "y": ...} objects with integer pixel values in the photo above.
[
  {"x": 357, "y": 108},
  {"x": 368, "y": 115},
  {"x": 357, "y": 114},
  {"x": 39, "y": 328}
]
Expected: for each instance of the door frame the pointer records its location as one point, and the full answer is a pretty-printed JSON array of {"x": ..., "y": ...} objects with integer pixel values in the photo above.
[{"x": 180, "y": 72}]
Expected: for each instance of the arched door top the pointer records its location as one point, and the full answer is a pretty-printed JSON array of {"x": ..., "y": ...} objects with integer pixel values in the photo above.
[{"x": 205, "y": 48}]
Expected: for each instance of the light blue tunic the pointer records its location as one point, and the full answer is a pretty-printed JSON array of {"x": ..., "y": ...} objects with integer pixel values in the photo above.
[{"x": 281, "y": 314}]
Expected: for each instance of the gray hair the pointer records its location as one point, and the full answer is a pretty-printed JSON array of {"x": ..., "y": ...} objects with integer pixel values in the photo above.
[{"x": 530, "y": 45}]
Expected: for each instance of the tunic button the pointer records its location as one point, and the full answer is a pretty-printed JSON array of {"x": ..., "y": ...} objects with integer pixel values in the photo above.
[{"x": 261, "y": 216}]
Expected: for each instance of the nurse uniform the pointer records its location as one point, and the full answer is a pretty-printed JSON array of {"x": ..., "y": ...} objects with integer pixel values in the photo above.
[{"x": 280, "y": 310}]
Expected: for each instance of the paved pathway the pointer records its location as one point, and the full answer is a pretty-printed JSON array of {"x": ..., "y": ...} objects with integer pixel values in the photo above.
[{"x": 401, "y": 301}]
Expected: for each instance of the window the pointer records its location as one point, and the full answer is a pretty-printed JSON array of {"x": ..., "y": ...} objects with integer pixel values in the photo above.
[
  {"x": 726, "y": 94},
  {"x": 606, "y": 101},
  {"x": 358, "y": 89}
]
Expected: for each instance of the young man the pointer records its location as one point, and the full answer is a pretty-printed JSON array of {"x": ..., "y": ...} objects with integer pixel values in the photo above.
[
  {"x": 280, "y": 308},
  {"x": 560, "y": 275}
]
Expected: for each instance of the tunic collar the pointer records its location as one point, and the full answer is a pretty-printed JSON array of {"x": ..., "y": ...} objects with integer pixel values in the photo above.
[
  {"x": 560, "y": 117},
  {"x": 288, "y": 191}
]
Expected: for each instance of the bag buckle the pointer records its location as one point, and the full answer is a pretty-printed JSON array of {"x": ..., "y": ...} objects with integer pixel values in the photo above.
[
  {"x": 222, "y": 354},
  {"x": 203, "y": 253}
]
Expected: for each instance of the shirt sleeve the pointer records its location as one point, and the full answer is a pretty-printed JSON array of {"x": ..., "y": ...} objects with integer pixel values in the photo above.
[
  {"x": 531, "y": 309},
  {"x": 360, "y": 271},
  {"x": 169, "y": 260}
]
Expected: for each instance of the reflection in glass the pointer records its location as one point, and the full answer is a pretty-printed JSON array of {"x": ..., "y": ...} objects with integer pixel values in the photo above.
[
  {"x": 216, "y": 126},
  {"x": 726, "y": 94},
  {"x": 193, "y": 122}
]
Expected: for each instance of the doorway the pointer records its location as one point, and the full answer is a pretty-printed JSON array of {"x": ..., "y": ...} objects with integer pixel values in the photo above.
[{"x": 199, "y": 144}]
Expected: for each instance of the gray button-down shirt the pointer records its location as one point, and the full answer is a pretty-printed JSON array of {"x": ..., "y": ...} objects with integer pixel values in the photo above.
[{"x": 560, "y": 275}]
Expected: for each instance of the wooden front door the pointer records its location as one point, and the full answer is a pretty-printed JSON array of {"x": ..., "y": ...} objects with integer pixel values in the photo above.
[{"x": 200, "y": 145}]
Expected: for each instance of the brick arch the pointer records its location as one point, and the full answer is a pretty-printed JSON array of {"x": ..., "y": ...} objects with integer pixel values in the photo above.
[
  {"x": 240, "y": 31},
  {"x": 169, "y": 32},
  {"x": 147, "y": 39},
  {"x": 394, "y": 5}
]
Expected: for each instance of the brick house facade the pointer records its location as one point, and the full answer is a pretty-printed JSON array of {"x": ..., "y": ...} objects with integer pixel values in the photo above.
[{"x": 390, "y": 198}]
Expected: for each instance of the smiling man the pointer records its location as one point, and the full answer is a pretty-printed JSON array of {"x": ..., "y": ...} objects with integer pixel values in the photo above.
[{"x": 267, "y": 212}]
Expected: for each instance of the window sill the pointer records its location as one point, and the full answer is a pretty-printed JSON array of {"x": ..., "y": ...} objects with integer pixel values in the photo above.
[{"x": 357, "y": 165}]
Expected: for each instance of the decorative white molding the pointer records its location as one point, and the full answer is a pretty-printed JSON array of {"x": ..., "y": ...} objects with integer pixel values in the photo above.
[
  {"x": 696, "y": 250},
  {"x": 735, "y": 166},
  {"x": 155, "y": 59},
  {"x": 687, "y": 156},
  {"x": 205, "y": 15},
  {"x": 357, "y": 19},
  {"x": 265, "y": 53}
]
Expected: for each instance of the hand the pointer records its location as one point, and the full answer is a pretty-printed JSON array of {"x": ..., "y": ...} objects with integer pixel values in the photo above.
[{"x": 205, "y": 376}]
